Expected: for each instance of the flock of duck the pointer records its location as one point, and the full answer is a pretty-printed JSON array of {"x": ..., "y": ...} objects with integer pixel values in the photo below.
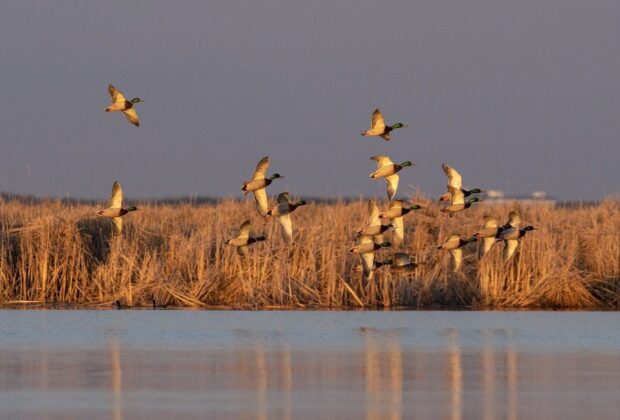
[{"x": 371, "y": 237}]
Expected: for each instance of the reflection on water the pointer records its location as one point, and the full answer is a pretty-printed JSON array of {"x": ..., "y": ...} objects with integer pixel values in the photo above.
[{"x": 275, "y": 372}]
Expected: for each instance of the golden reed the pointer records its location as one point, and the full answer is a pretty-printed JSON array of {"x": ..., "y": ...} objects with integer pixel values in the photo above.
[{"x": 52, "y": 253}]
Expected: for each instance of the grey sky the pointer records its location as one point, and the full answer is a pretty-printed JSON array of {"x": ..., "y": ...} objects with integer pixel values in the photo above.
[{"x": 517, "y": 95}]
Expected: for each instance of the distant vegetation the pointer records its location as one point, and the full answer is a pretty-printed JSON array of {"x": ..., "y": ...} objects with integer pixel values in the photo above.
[{"x": 55, "y": 252}]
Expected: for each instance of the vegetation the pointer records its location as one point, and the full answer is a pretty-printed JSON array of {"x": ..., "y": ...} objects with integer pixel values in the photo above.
[{"x": 54, "y": 252}]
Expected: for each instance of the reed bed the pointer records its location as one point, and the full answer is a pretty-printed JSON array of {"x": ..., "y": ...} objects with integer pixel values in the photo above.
[{"x": 53, "y": 253}]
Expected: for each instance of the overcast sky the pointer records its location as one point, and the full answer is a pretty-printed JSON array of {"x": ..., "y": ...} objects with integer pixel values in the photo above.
[{"x": 517, "y": 95}]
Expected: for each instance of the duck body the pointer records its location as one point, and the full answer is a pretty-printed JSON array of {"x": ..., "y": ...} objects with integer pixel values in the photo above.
[
  {"x": 283, "y": 209},
  {"x": 398, "y": 210},
  {"x": 453, "y": 244},
  {"x": 366, "y": 247},
  {"x": 256, "y": 184},
  {"x": 116, "y": 212},
  {"x": 243, "y": 239},
  {"x": 402, "y": 262},
  {"x": 374, "y": 230}
]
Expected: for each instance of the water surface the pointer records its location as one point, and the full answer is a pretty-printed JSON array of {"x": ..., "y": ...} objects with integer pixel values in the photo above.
[{"x": 278, "y": 364}]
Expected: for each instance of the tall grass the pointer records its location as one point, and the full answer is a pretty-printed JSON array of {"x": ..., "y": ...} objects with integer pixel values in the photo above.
[{"x": 175, "y": 255}]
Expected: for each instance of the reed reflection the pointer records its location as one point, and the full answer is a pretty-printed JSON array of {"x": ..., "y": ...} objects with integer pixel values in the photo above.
[
  {"x": 456, "y": 375},
  {"x": 383, "y": 371},
  {"x": 116, "y": 384},
  {"x": 488, "y": 377},
  {"x": 511, "y": 367}
]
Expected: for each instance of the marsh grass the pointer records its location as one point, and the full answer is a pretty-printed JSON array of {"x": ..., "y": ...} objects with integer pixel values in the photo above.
[{"x": 175, "y": 255}]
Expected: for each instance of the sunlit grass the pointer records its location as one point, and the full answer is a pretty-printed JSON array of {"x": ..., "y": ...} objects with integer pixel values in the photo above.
[{"x": 175, "y": 255}]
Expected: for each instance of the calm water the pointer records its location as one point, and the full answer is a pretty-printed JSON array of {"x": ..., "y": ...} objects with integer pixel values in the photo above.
[{"x": 264, "y": 365}]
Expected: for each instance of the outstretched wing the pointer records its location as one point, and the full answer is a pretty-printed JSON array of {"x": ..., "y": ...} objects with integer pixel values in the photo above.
[
  {"x": 261, "y": 168},
  {"x": 118, "y": 99},
  {"x": 242, "y": 250},
  {"x": 398, "y": 235},
  {"x": 454, "y": 178},
  {"x": 510, "y": 246},
  {"x": 490, "y": 222},
  {"x": 377, "y": 123},
  {"x": 457, "y": 258},
  {"x": 392, "y": 185},
  {"x": 514, "y": 219},
  {"x": 487, "y": 244},
  {"x": 373, "y": 213},
  {"x": 117, "y": 222},
  {"x": 456, "y": 195},
  {"x": 283, "y": 198},
  {"x": 244, "y": 230},
  {"x": 262, "y": 203},
  {"x": 287, "y": 227},
  {"x": 368, "y": 264},
  {"x": 116, "y": 199},
  {"x": 382, "y": 160},
  {"x": 132, "y": 116}
]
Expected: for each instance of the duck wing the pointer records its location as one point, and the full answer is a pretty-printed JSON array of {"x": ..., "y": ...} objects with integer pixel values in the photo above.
[
  {"x": 262, "y": 203},
  {"x": 456, "y": 196},
  {"x": 454, "y": 178},
  {"x": 399, "y": 230},
  {"x": 283, "y": 198},
  {"x": 510, "y": 246},
  {"x": 118, "y": 99},
  {"x": 382, "y": 160},
  {"x": 244, "y": 230},
  {"x": 287, "y": 227},
  {"x": 377, "y": 122},
  {"x": 242, "y": 250},
  {"x": 487, "y": 244},
  {"x": 116, "y": 199},
  {"x": 261, "y": 168},
  {"x": 392, "y": 185},
  {"x": 117, "y": 222},
  {"x": 132, "y": 116},
  {"x": 457, "y": 258},
  {"x": 373, "y": 213}
]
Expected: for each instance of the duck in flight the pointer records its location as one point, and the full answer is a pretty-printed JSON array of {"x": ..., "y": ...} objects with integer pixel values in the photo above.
[
  {"x": 388, "y": 170},
  {"x": 455, "y": 183},
  {"x": 258, "y": 183},
  {"x": 282, "y": 210},
  {"x": 243, "y": 239},
  {"x": 115, "y": 210},
  {"x": 379, "y": 128},
  {"x": 120, "y": 104}
]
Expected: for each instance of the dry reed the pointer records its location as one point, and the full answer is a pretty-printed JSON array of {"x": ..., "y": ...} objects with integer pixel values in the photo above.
[{"x": 175, "y": 255}]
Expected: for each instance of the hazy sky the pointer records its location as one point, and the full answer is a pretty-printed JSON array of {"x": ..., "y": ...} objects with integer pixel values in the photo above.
[{"x": 517, "y": 95}]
